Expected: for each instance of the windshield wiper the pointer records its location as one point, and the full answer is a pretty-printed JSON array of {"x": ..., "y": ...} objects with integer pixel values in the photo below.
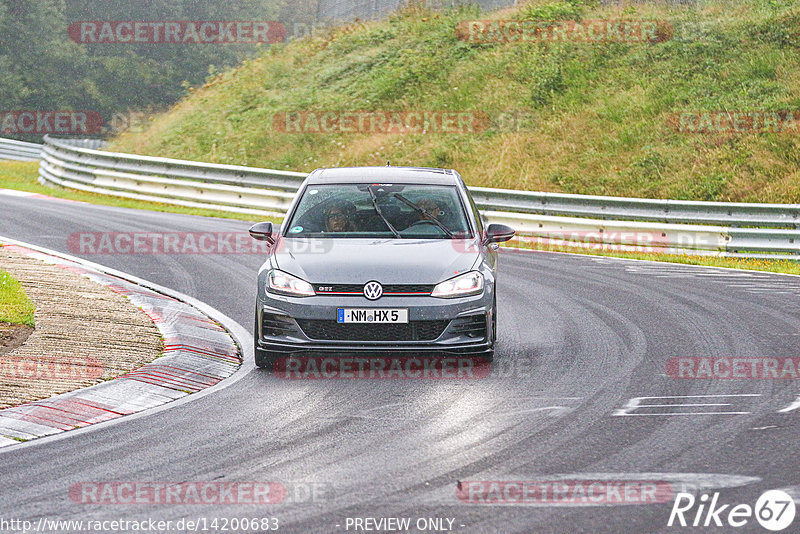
[
  {"x": 428, "y": 216},
  {"x": 380, "y": 213}
]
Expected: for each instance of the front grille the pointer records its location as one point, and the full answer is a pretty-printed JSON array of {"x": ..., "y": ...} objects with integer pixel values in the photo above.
[
  {"x": 472, "y": 326},
  {"x": 277, "y": 325},
  {"x": 389, "y": 289},
  {"x": 333, "y": 331}
]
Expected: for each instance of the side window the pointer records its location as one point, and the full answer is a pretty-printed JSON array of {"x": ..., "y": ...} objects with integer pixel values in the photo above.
[{"x": 475, "y": 211}]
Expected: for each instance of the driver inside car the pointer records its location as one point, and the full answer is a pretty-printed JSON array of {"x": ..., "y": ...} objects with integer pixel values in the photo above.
[{"x": 338, "y": 217}]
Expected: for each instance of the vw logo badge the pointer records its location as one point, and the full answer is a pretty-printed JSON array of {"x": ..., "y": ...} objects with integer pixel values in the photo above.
[{"x": 373, "y": 290}]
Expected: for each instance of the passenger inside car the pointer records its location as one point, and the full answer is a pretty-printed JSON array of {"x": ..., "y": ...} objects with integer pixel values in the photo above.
[{"x": 433, "y": 210}]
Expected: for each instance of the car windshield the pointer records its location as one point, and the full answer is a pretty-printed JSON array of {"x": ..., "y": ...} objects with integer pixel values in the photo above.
[{"x": 379, "y": 210}]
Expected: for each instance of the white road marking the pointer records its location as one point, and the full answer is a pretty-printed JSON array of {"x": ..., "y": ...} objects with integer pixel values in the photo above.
[
  {"x": 15, "y": 193},
  {"x": 636, "y": 404},
  {"x": 793, "y": 406}
]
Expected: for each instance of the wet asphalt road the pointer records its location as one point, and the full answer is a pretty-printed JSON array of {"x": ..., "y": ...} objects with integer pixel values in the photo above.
[{"x": 579, "y": 339}]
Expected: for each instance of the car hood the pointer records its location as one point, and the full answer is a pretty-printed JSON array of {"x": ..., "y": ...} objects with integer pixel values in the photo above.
[{"x": 389, "y": 261}]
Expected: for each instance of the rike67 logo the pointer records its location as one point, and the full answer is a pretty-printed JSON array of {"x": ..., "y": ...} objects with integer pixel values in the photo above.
[{"x": 774, "y": 510}]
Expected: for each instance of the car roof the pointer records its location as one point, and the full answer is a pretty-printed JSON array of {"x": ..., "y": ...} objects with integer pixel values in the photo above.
[{"x": 395, "y": 175}]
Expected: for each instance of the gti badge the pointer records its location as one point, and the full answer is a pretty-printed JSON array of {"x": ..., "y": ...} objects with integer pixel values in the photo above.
[{"x": 373, "y": 290}]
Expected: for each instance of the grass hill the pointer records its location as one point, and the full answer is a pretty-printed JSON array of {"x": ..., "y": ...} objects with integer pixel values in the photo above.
[{"x": 577, "y": 117}]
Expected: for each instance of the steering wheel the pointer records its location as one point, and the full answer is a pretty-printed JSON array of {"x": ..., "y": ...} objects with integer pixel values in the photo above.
[{"x": 422, "y": 221}]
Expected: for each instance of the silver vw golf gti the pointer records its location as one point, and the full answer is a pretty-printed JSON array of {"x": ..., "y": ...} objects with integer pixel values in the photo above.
[{"x": 371, "y": 260}]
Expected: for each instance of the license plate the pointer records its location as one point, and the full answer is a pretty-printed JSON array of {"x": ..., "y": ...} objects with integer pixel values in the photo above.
[{"x": 367, "y": 315}]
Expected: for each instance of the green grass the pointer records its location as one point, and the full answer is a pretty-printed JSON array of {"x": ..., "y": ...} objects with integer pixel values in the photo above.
[
  {"x": 15, "y": 306},
  {"x": 598, "y": 116},
  {"x": 23, "y": 176}
]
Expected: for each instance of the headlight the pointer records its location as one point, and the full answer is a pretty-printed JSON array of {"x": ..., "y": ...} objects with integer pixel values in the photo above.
[
  {"x": 463, "y": 285},
  {"x": 286, "y": 284}
]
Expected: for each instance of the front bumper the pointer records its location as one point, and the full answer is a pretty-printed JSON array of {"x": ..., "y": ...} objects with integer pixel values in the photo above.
[{"x": 289, "y": 325}]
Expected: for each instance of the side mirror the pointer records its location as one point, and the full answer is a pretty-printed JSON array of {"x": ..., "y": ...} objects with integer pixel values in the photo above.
[
  {"x": 262, "y": 232},
  {"x": 498, "y": 233}
]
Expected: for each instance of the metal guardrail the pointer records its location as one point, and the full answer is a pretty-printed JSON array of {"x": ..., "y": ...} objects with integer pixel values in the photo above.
[
  {"x": 83, "y": 143},
  {"x": 718, "y": 228},
  {"x": 186, "y": 183},
  {"x": 19, "y": 150},
  {"x": 640, "y": 209}
]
